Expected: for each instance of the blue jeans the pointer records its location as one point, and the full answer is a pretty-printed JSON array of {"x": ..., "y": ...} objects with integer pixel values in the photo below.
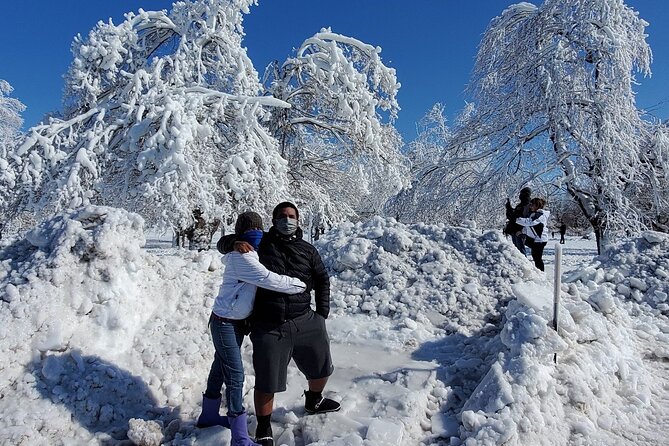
[
  {"x": 227, "y": 366},
  {"x": 519, "y": 242}
]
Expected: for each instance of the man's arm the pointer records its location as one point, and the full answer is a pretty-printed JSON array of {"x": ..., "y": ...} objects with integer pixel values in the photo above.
[
  {"x": 229, "y": 243},
  {"x": 509, "y": 210},
  {"x": 226, "y": 243},
  {"x": 321, "y": 285}
]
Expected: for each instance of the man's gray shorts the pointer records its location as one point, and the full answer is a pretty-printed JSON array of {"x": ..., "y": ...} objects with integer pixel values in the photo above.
[{"x": 304, "y": 339}]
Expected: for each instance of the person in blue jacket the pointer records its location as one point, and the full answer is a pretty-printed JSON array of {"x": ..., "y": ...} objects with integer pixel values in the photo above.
[{"x": 234, "y": 303}]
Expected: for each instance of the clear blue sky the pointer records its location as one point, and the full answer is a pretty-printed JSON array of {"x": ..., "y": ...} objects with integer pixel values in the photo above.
[{"x": 431, "y": 44}]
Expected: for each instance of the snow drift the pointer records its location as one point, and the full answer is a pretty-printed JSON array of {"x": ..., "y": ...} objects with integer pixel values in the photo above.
[{"x": 440, "y": 335}]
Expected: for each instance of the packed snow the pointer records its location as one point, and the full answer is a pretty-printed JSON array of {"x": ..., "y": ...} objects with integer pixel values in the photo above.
[{"x": 440, "y": 336}]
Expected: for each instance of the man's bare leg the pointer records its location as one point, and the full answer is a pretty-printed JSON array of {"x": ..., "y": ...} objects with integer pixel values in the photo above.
[
  {"x": 317, "y": 385},
  {"x": 264, "y": 403}
]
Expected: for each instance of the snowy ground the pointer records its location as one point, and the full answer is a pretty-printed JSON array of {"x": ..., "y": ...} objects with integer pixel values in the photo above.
[{"x": 439, "y": 335}]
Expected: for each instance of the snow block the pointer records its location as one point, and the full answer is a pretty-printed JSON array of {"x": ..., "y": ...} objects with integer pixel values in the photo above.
[{"x": 385, "y": 433}]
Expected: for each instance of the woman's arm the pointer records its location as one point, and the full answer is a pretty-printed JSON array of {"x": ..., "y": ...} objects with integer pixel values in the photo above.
[
  {"x": 249, "y": 269},
  {"x": 540, "y": 220}
]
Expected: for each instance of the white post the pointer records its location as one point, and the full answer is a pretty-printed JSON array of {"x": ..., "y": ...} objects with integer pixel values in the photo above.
[{"x": 557, "y": 281}]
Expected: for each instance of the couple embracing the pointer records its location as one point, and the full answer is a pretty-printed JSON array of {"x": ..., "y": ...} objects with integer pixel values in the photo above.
[{"x": 266, "y": 288}]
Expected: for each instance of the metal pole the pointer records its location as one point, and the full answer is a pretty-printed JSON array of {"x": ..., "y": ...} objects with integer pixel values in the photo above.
[{"x": 557, "y": 280}]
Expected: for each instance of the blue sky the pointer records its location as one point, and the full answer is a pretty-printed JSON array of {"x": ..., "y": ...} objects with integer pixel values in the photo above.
[{"x": 431, "y": 44}]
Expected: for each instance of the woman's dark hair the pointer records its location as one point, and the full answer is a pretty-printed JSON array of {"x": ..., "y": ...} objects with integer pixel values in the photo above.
[{"x": 539, "y": 203}]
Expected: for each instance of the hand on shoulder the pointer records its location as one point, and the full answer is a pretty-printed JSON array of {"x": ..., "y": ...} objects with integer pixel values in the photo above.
[{"x": 242, "y": 247}]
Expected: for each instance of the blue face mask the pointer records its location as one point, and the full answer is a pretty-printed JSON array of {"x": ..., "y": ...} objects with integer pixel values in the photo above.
[{"x": 252, "y": 237}]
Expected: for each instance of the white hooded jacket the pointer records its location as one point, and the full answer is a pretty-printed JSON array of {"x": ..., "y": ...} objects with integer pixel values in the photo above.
[
  {"x": 535, "y": 225},
  {"x": 243, "y": 274}
]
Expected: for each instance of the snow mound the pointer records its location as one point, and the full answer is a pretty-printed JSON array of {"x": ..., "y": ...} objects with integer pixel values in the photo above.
[
  {"x": 454, "y": 277},
  {"x": 91, "y": 330},
  {"x": 439, "y": 336},
  {"x": 95, "y": 251},
  {"x": 604, "y": 388},
  {"x": 636, "y": 269}
]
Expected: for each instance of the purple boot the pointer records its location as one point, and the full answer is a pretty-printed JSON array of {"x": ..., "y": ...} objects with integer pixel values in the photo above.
[
  {"x": 240, "y": 433},
  {"x": 209, "y": 416}
]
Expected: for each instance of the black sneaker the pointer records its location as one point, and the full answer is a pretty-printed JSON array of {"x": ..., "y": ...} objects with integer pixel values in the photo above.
[
  {"x": 315, "y": 403},
  {"x": 264, "y": 436},
  {"x": 265, "y": 441}
]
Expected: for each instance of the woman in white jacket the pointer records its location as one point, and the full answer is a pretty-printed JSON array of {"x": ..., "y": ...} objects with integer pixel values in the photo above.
[
  {"x": 535, "y": 229},
  {"x": 243, "y": 273}
]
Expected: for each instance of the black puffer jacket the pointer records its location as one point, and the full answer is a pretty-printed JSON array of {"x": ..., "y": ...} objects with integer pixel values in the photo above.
[
  {"x": 293, "y": 257},
  {"x": 522, "y": 210}
]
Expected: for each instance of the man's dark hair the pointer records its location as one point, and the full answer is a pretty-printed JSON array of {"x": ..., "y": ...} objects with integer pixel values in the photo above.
[{"x": 284, "y": 204}]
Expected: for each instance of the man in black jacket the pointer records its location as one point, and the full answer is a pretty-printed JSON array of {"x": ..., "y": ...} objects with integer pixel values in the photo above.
[
  {"x": 522, "y": 210},
  {"x": 284, "y": 326}
]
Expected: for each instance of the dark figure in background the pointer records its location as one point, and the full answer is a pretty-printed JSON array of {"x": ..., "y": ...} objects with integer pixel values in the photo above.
[
  {"x": 199, "y": 234},
  {"x": 563, "y": 231},
  {"x": 284, "y": 327},
  {"x": 522, "y": 210}
]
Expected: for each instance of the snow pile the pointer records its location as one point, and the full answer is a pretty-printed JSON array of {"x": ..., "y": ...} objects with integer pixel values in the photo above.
[
  {"x": 94, "y": 251},
  {"x": 450, "y": 277},
  {"x": 448, "y": 288},
  {"x": 609, "y": 386},
  {"x": 439, "y": 335},
  {"x": 517, "y": 401},
  {"x": 638, "y": 269},
  {"x": 93, "y": 323}
]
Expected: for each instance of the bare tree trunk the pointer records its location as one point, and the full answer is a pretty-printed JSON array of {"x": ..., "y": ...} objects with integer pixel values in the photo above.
[
  {"x": 595, "y": 218},
  {"x": 599, "y": 228}
]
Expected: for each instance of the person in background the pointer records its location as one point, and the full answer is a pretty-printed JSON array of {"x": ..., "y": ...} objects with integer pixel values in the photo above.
[
  {"x": 563, "y": 231},
  {"x": 243, "y": 274},
  {"x": 286, "y": 327},
  {"x": 522, "y": 210},
  {"x": 199, "y": 234},
  {"x": 534, "y": 228}
]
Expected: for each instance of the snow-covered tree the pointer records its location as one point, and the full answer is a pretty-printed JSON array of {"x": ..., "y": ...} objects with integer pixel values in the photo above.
[
  {"x": 553, "y": 93},
  {"x": 333, "y": 135},
  {"x": 161, "y": 117},
  {"x": 564, "y": 209},
  {"x": 434, "y": 135},
  {"x": 10, "y": 130},
  {"x": 10, "y": 115},
  {"x": 384, "y": 179},
  {"x": 445, "y": 185},
  {"x": 652, "y": 194},
  {"x": 424, "y": 152}
]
